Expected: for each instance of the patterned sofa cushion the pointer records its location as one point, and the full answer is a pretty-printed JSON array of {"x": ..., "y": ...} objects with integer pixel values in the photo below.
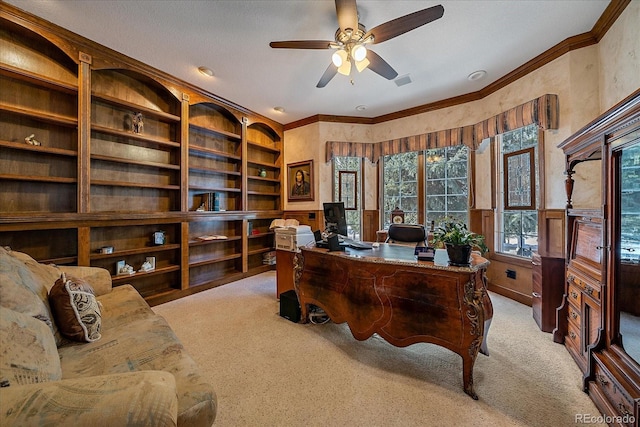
[{"x": 28, "y": 352}]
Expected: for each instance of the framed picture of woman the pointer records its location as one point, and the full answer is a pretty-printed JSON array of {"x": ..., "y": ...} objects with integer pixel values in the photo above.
[{"x": 300, "y": 181}]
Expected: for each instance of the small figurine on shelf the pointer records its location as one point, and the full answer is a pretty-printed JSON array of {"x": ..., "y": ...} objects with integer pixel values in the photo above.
[
  {"x": 137, "y": 123},
  {"x": 31, "y": 140},
  {"x": 126, "y": 269},
  {"x": 146, "y": 266},
  {"x": 201, "y": 208},
  {"x": 263, "y": 172}
]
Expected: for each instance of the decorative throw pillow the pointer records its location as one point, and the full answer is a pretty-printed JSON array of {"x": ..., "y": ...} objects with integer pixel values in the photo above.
[
  {"x": 28, "y": 352},
  {"x": 75, "y": 309}
]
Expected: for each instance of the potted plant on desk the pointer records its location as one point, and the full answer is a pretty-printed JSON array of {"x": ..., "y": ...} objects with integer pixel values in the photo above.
[{"x": 458, "y": 241}]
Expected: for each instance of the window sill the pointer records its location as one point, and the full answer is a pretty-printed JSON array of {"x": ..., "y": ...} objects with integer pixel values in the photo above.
[{"x": 510, "y": 259}]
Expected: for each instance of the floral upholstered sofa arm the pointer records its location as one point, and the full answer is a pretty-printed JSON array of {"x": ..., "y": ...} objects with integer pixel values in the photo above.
[{"x": 129, "y": 399}]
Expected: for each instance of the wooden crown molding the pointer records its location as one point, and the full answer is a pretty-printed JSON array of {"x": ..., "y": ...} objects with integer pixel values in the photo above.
[{"x": 604, "y": 23}]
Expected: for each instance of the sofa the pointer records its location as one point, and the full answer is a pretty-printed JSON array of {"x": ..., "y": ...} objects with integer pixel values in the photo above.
[{"x": 131, "y": 370}]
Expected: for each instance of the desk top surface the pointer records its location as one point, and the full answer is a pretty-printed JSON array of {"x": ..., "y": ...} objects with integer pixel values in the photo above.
[{"x": 403, "y": 255}]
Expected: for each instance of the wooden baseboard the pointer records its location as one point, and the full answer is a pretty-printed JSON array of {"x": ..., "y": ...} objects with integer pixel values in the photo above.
[{"x": 510, "y": 293}]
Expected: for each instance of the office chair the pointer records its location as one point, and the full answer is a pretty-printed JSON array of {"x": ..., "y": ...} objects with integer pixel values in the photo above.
[{"x": 407, "y": 233}]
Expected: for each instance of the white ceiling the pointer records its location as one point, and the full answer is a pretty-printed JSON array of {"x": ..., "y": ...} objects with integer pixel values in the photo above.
[{"x": 232, "y": 38}]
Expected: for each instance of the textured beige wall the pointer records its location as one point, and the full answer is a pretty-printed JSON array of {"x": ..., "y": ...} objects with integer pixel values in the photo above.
[
  {"x": 587, "y": 81},
  {"x": 308, "y": 143},
  {"x": 619, "y": 52}
]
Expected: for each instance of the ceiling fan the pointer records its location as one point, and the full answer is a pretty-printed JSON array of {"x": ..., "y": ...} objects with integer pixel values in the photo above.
[{"x": 351, "y": 38}]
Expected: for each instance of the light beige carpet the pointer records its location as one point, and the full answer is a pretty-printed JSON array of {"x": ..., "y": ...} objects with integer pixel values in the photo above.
[{"x": 269, "y": 371}]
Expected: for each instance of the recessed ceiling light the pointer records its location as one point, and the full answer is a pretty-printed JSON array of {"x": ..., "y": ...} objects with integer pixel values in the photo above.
[
  {"x": 279, "y": 109},
  {"x": 206, "y": 71},
  {"x": 361, "y": 107},
  {"x": 476, "y": 75}
]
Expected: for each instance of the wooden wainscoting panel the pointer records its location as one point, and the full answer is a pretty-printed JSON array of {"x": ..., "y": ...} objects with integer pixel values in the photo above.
[
  {"x": 551, "y": 238},
  {"x": 370, "y": 225}
]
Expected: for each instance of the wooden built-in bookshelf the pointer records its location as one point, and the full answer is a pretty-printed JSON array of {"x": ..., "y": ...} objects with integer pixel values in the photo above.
[{"x": 98, "y": 181}]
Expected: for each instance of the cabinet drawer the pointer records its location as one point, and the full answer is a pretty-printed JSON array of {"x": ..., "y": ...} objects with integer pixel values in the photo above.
[
  {"x": 573, "y": 314},
  {"x": 572, "y": 343},
  {"x": 573, "y": 335},
  {"x": 536, "y": 274},
  {"x": 613, "y": 391},
  {"x": 588, "y": 286},
  {"x": 574, "y": 295}
]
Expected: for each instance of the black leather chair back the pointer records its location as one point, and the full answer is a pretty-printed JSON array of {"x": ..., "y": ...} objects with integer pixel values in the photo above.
[{"x": 406, "y": 233}]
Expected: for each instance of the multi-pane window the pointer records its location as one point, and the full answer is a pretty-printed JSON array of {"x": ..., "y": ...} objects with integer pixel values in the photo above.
[
  {"x": 630, "y": 209},
  {"x": 516, "y": 214},
  {"x": 347, "y": 184},
  {"x": 400, "y": 186},
  {"x": 447, "y": 183}
]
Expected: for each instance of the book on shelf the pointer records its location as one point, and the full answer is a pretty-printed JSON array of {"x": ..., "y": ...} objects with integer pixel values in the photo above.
[
  {"x": 212, "y": 237},
  {"x": 209, "y": 201}
]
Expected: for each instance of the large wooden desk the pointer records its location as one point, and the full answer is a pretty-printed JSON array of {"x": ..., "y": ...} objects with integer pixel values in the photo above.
[{"x": 386, "y": 291}]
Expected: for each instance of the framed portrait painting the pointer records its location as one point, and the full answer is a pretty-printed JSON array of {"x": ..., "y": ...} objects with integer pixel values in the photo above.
[{"x": 300, "y": 176}]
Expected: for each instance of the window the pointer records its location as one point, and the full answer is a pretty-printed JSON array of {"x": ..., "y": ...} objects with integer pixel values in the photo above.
[
  {"x": 518, "y": 184},
  {"x": 400, "y": 188},
  {"x": 447, "y": 183},
  {"x": 630, "y": 205},
  {"x": 347, "y": 183}
]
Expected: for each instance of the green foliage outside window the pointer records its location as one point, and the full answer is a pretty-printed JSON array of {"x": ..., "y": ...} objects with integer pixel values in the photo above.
[
  {"x": 353, "y": 216},
  {"x": 400, "y": 187},
  {"x": 518, "y": 230},
  {"x": 447, "y": 184}
]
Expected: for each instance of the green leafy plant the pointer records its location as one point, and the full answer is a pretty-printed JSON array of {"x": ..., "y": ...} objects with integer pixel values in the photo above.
[{"x": 456, "y": 233}]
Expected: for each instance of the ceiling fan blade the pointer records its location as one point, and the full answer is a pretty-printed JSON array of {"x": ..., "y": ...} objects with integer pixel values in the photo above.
[
  {"x": 403, "y": 24},
  {"x": 331, "y": 71},
  {"x": 302, "y": 44},
  {"x": 380, "y": 66},
  {"x": 347, "y": 12}
]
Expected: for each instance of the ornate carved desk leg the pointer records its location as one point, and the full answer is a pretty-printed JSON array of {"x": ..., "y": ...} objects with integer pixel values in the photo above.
[
  {"x": 473, "y": 299},
  {"x": 487, "y": 305},
  {"x": 298, "y": 266}
]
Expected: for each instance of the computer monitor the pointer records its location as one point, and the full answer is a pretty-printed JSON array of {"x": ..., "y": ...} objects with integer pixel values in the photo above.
[{"x": 335, "y": 220}]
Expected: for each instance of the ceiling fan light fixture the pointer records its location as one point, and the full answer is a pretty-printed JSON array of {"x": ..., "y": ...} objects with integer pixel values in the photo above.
[
  {"x": 359, "y": 52},
  {"x": 345, "y": 68},
  {"x": 361, "y": 65},
  {"x": 339, "y": 57}
]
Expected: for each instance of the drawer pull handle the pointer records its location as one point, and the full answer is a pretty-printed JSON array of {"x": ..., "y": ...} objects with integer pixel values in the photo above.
[
  {"x": 571, "y": 279},
  {"x": 574, "y": 294},
  {"x": 536, "y": 295},
  {"x": 602, "y": 380},
  {"x": 623, "y": 409},
  {"x": 572, "y": 335},
  {"x": 574, "y": 315}
]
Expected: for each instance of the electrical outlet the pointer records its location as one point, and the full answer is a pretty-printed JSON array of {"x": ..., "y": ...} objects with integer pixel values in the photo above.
[{"x": 511, "y": 274}]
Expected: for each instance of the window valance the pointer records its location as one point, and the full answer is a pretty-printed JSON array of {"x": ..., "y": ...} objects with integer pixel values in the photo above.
[{"x": 542, "y": 111}]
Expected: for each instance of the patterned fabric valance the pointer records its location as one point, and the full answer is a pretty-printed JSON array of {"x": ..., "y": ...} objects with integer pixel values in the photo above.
[
  {"x": 369, "y": 150},
  {"x": 542, "y": 111}
]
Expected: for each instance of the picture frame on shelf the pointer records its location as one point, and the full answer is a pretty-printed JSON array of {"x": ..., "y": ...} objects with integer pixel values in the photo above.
[{"x": 300, "y": 180}]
